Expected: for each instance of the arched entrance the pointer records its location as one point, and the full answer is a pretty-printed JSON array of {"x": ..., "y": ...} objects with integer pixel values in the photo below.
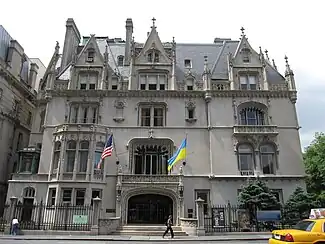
[{"x": 149, "y": 209}]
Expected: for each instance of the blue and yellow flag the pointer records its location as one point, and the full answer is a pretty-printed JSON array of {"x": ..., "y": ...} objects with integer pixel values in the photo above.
[{"x": 179, "y": 155}]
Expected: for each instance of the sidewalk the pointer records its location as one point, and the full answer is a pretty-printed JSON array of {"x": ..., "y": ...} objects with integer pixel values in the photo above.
[{"x": 220, "y": 237}]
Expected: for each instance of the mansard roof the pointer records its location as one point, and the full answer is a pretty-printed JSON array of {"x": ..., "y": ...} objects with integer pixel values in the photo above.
[{"x": 217, "y": 54}]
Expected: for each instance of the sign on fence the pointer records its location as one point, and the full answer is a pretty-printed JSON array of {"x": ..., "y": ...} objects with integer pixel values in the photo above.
[{"x": 80, "y": 219}]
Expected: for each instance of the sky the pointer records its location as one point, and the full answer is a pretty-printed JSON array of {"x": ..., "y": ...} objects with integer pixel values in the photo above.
[{"x": 291, "y": 28}]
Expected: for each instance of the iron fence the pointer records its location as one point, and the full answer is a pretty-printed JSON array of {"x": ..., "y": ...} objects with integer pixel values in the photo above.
[
  {"x": 232, "y": 218},
  {"x": 4, "y": 218},
  {"x": 58, "y": 217}
]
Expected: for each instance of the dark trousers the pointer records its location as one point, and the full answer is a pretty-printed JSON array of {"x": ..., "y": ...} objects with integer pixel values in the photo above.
[
  {"x": 14, "y": 229},
  {"x": 169, "y": 228}
]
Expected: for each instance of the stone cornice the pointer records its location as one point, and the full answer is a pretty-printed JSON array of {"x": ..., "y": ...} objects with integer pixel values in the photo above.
[
  {"x": 170, "y": 93},
  {"x": 135, "y": 127}
]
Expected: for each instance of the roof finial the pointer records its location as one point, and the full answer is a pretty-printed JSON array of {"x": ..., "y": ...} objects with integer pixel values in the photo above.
[
  {"x": 266, "y": 54},
  {"x": 57, "y": 47},
  {"x": 286, "y": 59},
  {"x": 153, "y": 22},
  {"x": 273, "y": 62},
  {"x": 242, "y": 29},
  {"x": 173, "y": 38}
]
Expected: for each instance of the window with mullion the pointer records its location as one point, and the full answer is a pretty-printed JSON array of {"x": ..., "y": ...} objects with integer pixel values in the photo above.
[
  {"x": 70, "y": 156},
  {"x": 83, "y": 156},
  {"x": 252, "y": 116},
  {"x": 248, "y": 82},
  {"x": 145, "y": 116},
  {"x": 152, "y": 116},
  {"x": 245, "y": 158}
]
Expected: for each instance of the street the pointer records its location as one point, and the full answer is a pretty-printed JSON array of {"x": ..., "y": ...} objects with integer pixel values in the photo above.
[{"x": 124, "y": 242}]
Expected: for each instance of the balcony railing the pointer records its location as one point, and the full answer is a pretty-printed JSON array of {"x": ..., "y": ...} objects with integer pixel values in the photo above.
[
  {"x": 247, "y": 172},
  {"x": 256, "y": 129},
  {"x": 81, "y": 127},
  {"x": 154, "y": 179}
]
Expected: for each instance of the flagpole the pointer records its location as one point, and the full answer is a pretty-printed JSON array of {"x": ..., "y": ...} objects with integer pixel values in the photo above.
[
  {"x": 114, "y": 147},
  {"x": 185, "y": 160}
]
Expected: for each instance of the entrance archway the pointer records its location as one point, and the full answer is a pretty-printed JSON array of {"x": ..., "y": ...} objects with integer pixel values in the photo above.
[{"x": 149, "y": 209}]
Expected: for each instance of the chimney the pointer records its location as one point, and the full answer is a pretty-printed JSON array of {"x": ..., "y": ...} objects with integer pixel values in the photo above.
[
  {"x": 15, "y": 58},
  {"x": 128, "y": 40},
  {"x": 33, "y": 75},
  {"x": 71, "y": 42}
]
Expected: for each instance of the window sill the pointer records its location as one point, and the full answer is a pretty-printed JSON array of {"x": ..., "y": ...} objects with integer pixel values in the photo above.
[
  {"x": 192, "y": 120},
  {"x": 118, "y": 119}
]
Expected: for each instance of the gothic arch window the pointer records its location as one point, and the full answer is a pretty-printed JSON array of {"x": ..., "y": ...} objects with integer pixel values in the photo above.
[
  {"x": 149, "y": 156},
  {"x": 268, "y": 158},
  {"x": 70, "y": 156},
  {"x": 29, "y": 192},
  {"x": 120, "y": 60},
  {"x": 83, "y": 155},
  {"x": 246, "y": 162},
  {"x": 56, "y": 156},
  {"x": 252, "y": 113}
]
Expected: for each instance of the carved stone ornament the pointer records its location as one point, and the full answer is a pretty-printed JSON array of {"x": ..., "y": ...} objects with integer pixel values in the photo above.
[
  {"x": 119, "y": 104},
  {"x": 255, "y": 140},
  {"x": 190, "y": 104}
]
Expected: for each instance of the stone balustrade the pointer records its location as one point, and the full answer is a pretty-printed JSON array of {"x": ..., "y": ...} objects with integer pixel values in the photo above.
[
  {"x": 81, "y": 127},
  {"x": 158, "y": 179},
  {"x": 256, "y": 129}
]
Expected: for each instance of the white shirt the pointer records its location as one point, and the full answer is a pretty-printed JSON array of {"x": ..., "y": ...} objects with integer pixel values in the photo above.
[{"x": 15, "y": 221}]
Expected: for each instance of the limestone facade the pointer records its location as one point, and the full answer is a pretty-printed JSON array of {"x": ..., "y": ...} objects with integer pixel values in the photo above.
[{"x": 236, "y": 110}]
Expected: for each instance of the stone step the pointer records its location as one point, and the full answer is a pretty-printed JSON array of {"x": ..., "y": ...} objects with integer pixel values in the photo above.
[
  {"x": 147, "y": 230},
  {"x": 146, "y": 233},
  {"x": 148, "y": 227}
]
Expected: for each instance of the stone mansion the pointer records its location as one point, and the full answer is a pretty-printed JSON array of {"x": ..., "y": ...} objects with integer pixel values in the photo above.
[{"x": 236, "y": 110}]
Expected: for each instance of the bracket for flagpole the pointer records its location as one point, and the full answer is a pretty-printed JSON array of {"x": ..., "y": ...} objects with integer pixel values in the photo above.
[
  {"x": 184, "y": 163},
  {"x": 117, "y": 162}
]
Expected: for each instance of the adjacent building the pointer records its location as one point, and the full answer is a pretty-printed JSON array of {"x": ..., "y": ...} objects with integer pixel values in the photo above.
[
  {"x": 18, "y": 86},
  {"x": 230, "y": 101}
]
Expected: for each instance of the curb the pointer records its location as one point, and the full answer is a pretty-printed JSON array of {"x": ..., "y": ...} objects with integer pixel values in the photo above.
[{"x": 132, "y": 240}]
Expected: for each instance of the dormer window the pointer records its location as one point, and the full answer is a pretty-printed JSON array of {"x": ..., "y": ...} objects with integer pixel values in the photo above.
[
  {"x": 153, "y": 56},
  {"x": 187, "y": 63},
  {"x": 248, "y": 82},
  {"x": 246, "y": 55},
  {"x": 88, "y": 81},
  {"x": 120, "y": 60},
  {"x": 149, "y": 57},
  {"x": 156, "y": 57},
  {"x": 189, "y": 84},
  {"x": 90, "y": 55}
]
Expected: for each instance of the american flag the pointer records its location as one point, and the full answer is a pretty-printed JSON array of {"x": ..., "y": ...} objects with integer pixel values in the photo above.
[
  {"x": 108, "y": 148},
  {"x": 107, "y": 152}
]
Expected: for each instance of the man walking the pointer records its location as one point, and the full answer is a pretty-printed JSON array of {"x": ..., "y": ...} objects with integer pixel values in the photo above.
[
  {"x": 15, "y": 224},
  {"x": 169, "y": 225}
]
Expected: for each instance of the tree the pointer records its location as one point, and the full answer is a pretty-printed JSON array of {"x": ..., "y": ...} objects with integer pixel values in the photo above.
[
  {"x": 297, "y": 207},
  {"x": 258, "y": 195},
  {"x": 314, "y": 160}
]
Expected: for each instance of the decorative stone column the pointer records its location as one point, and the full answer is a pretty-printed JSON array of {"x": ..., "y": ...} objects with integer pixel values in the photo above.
[
  {"x": 96, "y": 215},
  {"x": 118, "y": 212},
  {"x": 200, "y": 217},
  {"x": 76, "y": 161},
  {"x": 12, "y": 211},
  {"x": 181, "y": 196}
]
